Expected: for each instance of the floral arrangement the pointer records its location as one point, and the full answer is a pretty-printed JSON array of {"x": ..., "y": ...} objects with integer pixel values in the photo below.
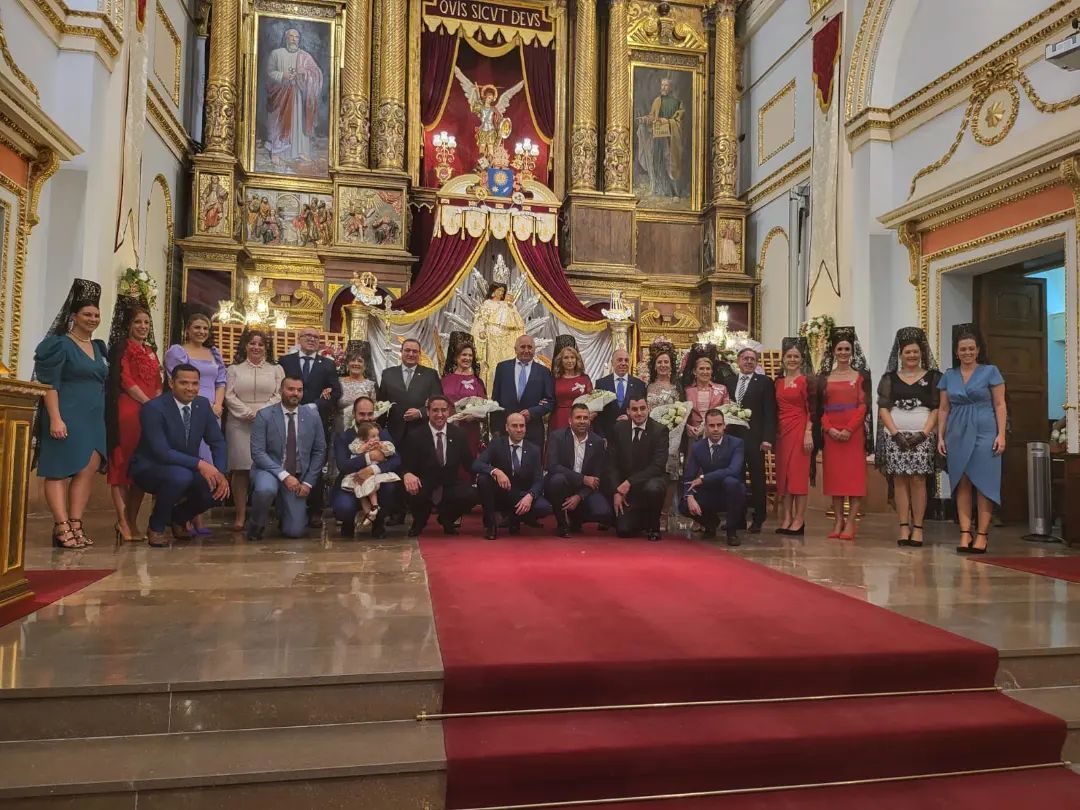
[
  {"x": 335, "y": 352},
  {"x": 596, "y": 400},
  {"x": 673, "y": 416},
  {"x": 1058, "y": 437},
  {"x": 381, "y": 410},
  {"x": 136, "y": 283},
  {"x": 734, "y": 415},
  {"x": 817, "y": 330},
  {"x": 477, "y": 407}
]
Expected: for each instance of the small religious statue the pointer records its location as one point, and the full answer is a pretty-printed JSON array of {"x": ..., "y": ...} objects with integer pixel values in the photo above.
[
  {"x": 495, "y": 126},
  {"x": 617, "y": 310},
  {"x": 364, "y": 289},
  {"x": 497, "y": 324}
]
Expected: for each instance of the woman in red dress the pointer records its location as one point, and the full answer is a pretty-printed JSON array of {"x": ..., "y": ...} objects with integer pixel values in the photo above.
[
  {"x": 571, "y": 382},
  {"x": 134, "y": 378},
  {"x": 841, "y": 423},
  {"x": 795, "y": 391}
]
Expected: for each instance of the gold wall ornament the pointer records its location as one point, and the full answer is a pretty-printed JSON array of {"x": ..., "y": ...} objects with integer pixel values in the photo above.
[
  {"x": 9, "y": 60},
  {"x": 354, "y": 126},
  {"x": 389, "y": 129},
  {"x": 653, "y": 25},
  {"x": 583, "y": 159},
  {"x": 42, "y": 167},
  {"x": 390, "y": 136},
  {"x": 221, "y": 94},
  {"x": 911, "y": 239},
  {"x": 20, "y": 229},
  {"x": 617, "y": 159},
  {"x": 763, "y": 111},
  {"x": 995, "y": 115},
  {"x": 617, "y": 129},
  {"x": 354, "y": 131},
  {"x": 583, "y": 137},
  {"x": 724, "y": 140}
]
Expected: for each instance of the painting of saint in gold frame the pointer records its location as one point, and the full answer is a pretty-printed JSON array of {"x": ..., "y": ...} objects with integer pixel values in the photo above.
[
  {"x": 291, "y": 95},
  {"x": 666, "y": 171}
]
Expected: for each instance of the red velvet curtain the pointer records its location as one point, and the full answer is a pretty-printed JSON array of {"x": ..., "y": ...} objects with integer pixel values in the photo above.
[
  {"x": 445, "y": 257},
  {"x": 437, "y": 51},
  {"x": 538, "y": 65},
  {"x": 542, "y": 259}
]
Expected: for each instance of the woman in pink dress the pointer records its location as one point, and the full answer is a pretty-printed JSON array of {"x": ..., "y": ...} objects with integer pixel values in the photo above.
[
  {"x": 703, "y": 395},
  {"x": 571, "y": 382},
  {"x": 462, "y": 379},
  {"x": 794, "y": 435}
]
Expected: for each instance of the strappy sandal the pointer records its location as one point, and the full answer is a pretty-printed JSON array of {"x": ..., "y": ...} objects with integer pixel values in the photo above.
[
  {"x": 79, "y": 533},
  {"x": 962, "y": 549},
  {"x": 65, "y": 538},
  {"x": 911, "y": 539},
  {"x": 904, "y": 541},
  {"x": 975, "y": 549}
]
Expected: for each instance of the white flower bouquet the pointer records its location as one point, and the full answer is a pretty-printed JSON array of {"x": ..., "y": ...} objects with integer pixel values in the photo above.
[
  {"x": 381, "y": 409},
  {"x": 734, "y": 415},
  {"x": 477, "y": 407},
  {"x": 596, "y": 400},
  {"x": 672, "y": 416}
]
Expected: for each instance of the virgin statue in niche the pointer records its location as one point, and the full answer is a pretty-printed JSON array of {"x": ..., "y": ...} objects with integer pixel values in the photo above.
[{"x": 496, "y": 327}]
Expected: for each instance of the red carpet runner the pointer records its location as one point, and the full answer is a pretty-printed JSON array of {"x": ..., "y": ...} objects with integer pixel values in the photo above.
[
  {"x": 535, "y": 623},
  {"x": 48, "y": 587},
  {"x": 1067, "y": 568}
]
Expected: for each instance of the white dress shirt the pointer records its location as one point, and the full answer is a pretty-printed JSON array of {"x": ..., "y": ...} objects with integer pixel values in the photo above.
[{"x": 579, "y": 451}]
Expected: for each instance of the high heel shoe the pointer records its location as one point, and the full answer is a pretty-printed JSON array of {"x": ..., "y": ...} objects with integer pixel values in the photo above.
[
  {"x": 904, "y": 541},
  {"x": 80, "y": 535},
  {"x": 835, "y": 534},
  {"x": 799, "y": 532},
  {"x": 845, "y": 535},
  {"x": 65, "y": 538},
  {"x": 973, "y": 549},
  {"x": 962, "y": 549},
  {"x": 120, "y": 537},
  {"x": 911, "y": 541}
]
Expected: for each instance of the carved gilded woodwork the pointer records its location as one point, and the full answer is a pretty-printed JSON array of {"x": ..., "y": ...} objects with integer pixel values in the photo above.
[
  {"x": 724, "y": 139},
  {"x": 354, "y": 127},
  {"x": 221, "y": 94},
  {"x": 583, "y": 136},
  {"x": 617, "y": 129},
  {"x": 678, "y": 29},
  {"x": 389, "y": 126}
]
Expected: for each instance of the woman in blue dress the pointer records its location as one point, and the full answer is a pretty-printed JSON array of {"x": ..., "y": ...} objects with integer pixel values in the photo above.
[
  {"x": 971, "y": 433},
  {"x": 71, "y": 431}
]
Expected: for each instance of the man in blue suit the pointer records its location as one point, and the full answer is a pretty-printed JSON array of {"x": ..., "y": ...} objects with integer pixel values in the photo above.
[
  {"x": 288, "y": 449},
  {"x": 576, "y": 461},
  {"x": 510, "y": 478},
  {"x": 368, "y": 462},
  {"x": 526, "y": 387},
  {"x": 623, "y": 385},
  {"x": 714, "y": 479},
  {"x": 166, "y": 462}
]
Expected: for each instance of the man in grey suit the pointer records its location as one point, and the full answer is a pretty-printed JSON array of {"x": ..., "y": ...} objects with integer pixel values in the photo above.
[
  {"x": 408, "y": 386},
  {"x": 288, "y": 449}
]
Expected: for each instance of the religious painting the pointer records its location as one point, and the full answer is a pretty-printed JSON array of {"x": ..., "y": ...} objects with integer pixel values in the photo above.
[
  {"x": 371, "y": 217},
  {"x": 293, "y": 94},
  {"x": 729, "y": 246},
  {"x": 212, "y": 207},
  {"x": 664, "y": 133},
  {"x": 288, "y": 218}
]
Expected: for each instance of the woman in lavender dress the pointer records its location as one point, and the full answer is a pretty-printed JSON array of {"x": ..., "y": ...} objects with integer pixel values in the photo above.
[
  {"x": 199, "y": 350},
  {"x": 462, "y": 379}
]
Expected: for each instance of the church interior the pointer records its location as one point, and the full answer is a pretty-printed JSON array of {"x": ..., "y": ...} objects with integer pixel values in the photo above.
[{"x": 637, "y": 187}]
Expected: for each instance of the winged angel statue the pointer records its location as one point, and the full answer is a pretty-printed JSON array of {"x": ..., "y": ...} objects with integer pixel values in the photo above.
[{"x": 495, "y": 126}]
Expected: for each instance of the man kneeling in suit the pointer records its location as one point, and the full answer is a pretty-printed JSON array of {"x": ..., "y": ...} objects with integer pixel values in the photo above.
[
  {"x": 166, "y": 462},
  {"x": 576, "y": 460},
  {"x": 370, "y": 461},
  {"x": 288, "y": 449},
  {"x": 714, "y": 479},
  {"x": 637, "y": 469},
  {"x": 511, "y": 479}
]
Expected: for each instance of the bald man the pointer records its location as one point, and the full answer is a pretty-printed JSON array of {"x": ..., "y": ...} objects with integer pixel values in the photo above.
[
  {"x": 523, "y": 386},
  {"x": 623, "y": 385},
  {"x": 510, "y": 479}
]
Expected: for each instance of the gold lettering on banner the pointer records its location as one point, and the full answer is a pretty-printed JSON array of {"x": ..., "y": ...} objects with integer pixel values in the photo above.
[{"x": 495, "y": 14}]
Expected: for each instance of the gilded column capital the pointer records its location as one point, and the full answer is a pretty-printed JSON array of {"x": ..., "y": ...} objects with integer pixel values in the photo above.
[
  {"x": 617, "y": 134},
  {"x": 354, "y": 126},
  {"x": 389, "y": 125},
  {"x": 725, "y": 143},
  {"x": 219, "y": 126},
  {"x": 583, "y": 131}
]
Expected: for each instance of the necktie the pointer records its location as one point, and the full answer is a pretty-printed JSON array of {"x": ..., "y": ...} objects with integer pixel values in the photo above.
[
  {"x": 290, "y": 445},
  {"x": 620, "y": 390},
  {"x": 522, "y": 379},
  {"x": 637, "y": 434},
  {"x": 712, "y": 452},
  {"x": 307, "y": 367},
  {"x": 408, "y": 372},
  {"x": 515, "y": 458},
  {"x": 740, "y": 389},
  {"x": 185, "y": 413},
  {"x": 440, "y": 453}
]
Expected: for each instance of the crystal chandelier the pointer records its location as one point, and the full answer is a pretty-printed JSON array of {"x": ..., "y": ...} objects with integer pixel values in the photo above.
[{"x": 254, "y": 309}]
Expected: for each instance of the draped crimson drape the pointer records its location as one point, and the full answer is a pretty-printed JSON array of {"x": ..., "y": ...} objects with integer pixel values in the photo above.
[
  {"x": 538, "y": 65},
  {"x": 437, "y": 52},
  {"x": 445, "y": 257},
  {"x": 542, "y": 259}
]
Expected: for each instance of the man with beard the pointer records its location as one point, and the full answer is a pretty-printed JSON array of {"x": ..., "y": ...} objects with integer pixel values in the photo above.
[
  {"x": 748, "y": 389},
  {"x": 294, "y": 83}
]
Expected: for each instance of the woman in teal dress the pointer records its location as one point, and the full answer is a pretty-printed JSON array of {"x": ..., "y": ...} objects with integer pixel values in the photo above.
[
  {"x": 71, "y": 432},
  {"x": 971, "y": 433}
]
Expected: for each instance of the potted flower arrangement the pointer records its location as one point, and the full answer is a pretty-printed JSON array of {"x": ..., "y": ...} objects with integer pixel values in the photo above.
[{"x": 817, "y": 330}]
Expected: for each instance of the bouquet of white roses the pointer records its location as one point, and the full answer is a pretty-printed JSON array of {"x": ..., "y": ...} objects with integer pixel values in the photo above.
[
  {"x": 672, "y": 416},
  {"x": 474, "y": 406},
  {"x": 596, "y": 400},
  {"x": 734, "y": 415},
  {"x": 381, "y": 409}
]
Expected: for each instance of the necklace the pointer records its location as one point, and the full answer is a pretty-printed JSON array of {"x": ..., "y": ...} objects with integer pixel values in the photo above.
[{"x": 80, "y": 339}]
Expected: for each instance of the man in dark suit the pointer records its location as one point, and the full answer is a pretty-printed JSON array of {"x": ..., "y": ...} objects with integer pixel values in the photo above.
[
  {"x": 757, "y": 392},
  {"x": 432, "y": 460},
  {"x": 166, "y": 462},
  {"x": 714, "y": 479},
  {"x": 322, "y": 388},
  {"x": 369, "y": 461},
  {"x": 510, "y": 478},
  {"x": 409, "y": 386},
  {"x": 576, "y": 460},
  {"x": 526, "y": 387},
  {"x": 624, "y": 385},
  {"x": 637, "y": 464},
  {"x": 288, "y": 450}
]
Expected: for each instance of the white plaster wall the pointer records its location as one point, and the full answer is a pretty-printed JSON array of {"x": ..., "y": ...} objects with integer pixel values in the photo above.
[{"x": 774, "y": 278}]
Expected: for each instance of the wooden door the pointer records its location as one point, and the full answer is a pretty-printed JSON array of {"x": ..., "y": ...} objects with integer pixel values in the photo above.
[{"x": 1011, "y": 312}]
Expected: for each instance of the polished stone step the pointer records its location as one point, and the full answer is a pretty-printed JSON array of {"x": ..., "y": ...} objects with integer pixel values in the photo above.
[
  {"x": 1060, "y": 701},
  {"x": 366, "y": 766}
]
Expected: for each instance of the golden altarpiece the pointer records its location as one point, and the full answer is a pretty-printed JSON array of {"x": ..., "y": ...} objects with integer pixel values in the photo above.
[{"x": 319, "y": 164}]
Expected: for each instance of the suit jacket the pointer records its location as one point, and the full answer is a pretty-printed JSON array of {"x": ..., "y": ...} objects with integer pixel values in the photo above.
[
  {"x": 538, "y": 398},
  {"x": 652, "y": 462},
  {"x": 760, "y": 398},
  {"x": 560, "y": 458},
  {"x": 323, "y": 375},
  {"x": 419, "y": 457},
  {"x": 347, "y": 463},
  {"x": 268, "y": 436},
  {"x": 162, "y": 441},
  {"x": 729, "y": 461},
  {"x": 607, "y": 418},
  {"x": 530, "y": 475},
  {"x": 425, "y": 384}
]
